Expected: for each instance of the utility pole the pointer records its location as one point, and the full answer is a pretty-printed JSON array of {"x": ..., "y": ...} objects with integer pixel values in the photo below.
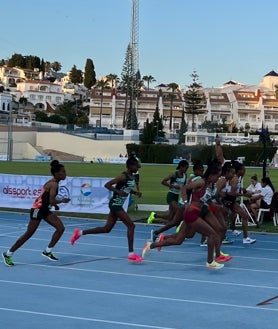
[
  {"x": 10, "y": 134},
  {"x": 264, "y": 136}
]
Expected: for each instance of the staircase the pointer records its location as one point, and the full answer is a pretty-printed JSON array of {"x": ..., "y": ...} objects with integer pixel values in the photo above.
[{"x": 62, "y": 156}]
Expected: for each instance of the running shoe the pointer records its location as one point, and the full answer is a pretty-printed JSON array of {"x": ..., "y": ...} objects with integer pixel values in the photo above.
[
  {"x": 151, "y": 217},
  {"x": 236, "y": 233},
  {"x": 179, "y": 227},
  {"x": 7, "y": 259},
  {"x": 204, "y": 243},
  {"x": 248, "y": 240},
  {"x": 49, "y": 255},
  {"x": 75, "y": 236},
  {"x": 214, "y": 265},
  {"x": 227, "y": 241},
  {"x": 223, "y": 259},
  {"x": 160, "y": 238},
  {"x": 223, "y": 253},
  {"x": 146, "y": 248},
  {"x": 134, "y": 258},
  {"x": 153, "y": 236}
]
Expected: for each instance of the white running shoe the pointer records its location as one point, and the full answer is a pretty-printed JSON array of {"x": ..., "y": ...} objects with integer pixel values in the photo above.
[
  {"x": 214, "y": 265},
  {"x": 236, "y": 232},
  {"x": 248, "y": 240}
]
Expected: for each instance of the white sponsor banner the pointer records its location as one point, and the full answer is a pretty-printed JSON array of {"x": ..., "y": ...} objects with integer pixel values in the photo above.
[{"x": 87, "y": 194}]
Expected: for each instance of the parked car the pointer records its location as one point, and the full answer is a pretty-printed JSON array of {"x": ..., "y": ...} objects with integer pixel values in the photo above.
[
  {"x": 161, "y": 140},
  {"x": 100, "y": 130},
  {"x": 116, "y": 131}
]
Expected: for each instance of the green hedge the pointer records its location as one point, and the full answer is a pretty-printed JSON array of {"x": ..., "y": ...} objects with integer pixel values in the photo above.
[{"x": 164, "y": 153}]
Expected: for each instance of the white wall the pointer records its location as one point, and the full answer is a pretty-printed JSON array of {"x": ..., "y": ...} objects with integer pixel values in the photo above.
[
  {"x": 89, "y": 149},
  {"x": 24, "y": 143},
  {"x": 28, "y": 144}
]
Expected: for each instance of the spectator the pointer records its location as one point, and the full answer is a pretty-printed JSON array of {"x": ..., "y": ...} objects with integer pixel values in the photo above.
[{"x": 263, "y": 199}]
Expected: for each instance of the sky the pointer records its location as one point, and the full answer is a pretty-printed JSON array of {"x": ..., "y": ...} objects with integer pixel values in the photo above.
[{"x": 220, "y": 40}]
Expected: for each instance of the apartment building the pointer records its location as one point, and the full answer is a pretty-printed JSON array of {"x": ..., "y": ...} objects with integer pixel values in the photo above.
[
  {"x": 234, "y": 103},
  {"x": 110, "y": 107},
  {"x": 12, "y": 75}
]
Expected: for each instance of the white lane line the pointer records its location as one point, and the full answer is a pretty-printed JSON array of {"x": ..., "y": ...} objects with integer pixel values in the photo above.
[
  {"x": 160, "y": 298},
  {"x": 130, "y": 324}
]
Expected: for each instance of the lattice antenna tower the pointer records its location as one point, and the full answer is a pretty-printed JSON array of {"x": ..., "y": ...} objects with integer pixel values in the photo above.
[{"x": 135, "y": 37}]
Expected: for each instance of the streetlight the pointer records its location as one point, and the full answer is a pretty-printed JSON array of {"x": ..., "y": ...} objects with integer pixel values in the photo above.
[
  {"x": 264, "y": 137},
  {"x": 156, "y": 128},
  {"x": 10, "y": 134}
]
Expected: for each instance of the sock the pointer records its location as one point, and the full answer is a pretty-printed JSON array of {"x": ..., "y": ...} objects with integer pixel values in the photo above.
[
  {"x": 130, "y": 253},
  {"x": 9, "y": 253},
  {"x": 48, "y": 249}
]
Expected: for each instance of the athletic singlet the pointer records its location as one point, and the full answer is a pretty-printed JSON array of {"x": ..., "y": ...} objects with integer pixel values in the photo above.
[
  {"x": 126, "y": 186},
  {"x": 210, "y": 194},
  {"x": 189, "y": 191},
  {"x": 197, "y": 195},
  {"x": 228, "y": 200},
  {"x": 227, "y": 187},
  {"x": 238, "y": 186},
  {"x": 176, "y": 180},
  {"x": 42, "y": 201}
]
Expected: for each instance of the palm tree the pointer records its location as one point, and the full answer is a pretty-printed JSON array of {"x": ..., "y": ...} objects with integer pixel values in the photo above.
[
  {"x": 102, "y": 85},
  {"x": 56, "y": 66},
  {"x": 149, "y": 79},
  {"x": 172, "y": 96},
  {"x": 113, "y": 78}
]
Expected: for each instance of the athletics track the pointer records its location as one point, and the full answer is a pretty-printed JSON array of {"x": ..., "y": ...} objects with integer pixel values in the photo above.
[{"x": 93, "y": 285}]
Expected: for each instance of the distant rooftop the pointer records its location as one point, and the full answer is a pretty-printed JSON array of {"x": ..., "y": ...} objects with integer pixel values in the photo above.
[{"x": 271, "y": 74}]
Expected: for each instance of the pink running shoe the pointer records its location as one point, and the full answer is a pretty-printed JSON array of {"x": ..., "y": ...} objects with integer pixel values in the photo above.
[
  {"x": 75, "y": 236},
  {"x": 160, "y": 238},
  {"x": 222, "y": 258},
  {"x": 134, "y": 258}
]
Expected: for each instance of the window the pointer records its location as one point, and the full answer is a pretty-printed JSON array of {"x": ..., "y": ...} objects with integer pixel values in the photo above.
[{"x": 191, "y": 139}]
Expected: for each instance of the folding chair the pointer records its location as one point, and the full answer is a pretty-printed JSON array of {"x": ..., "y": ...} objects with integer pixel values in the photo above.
[
  {"x": 261, "y": 213},
  {"x": 273, "y": 210},
  {"x": 251, "y": 221},
  {"x": 275, "y": 219}
]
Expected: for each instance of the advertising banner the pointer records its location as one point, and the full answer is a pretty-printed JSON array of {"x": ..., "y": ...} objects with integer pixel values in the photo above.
[{"x": 87, "y": 194}]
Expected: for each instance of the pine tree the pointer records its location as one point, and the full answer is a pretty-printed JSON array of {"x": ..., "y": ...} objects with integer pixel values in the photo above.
[
  {"x": 194, "y": 99},
  {"x": 131, "y": 84},
  {"x": 131, "y": 119},
  {"x": 148, "y": 133},
  {"x": 158, "y": 123}
]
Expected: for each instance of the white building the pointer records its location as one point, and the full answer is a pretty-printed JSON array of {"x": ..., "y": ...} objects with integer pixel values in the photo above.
[{"x": 41, "y": 93}]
